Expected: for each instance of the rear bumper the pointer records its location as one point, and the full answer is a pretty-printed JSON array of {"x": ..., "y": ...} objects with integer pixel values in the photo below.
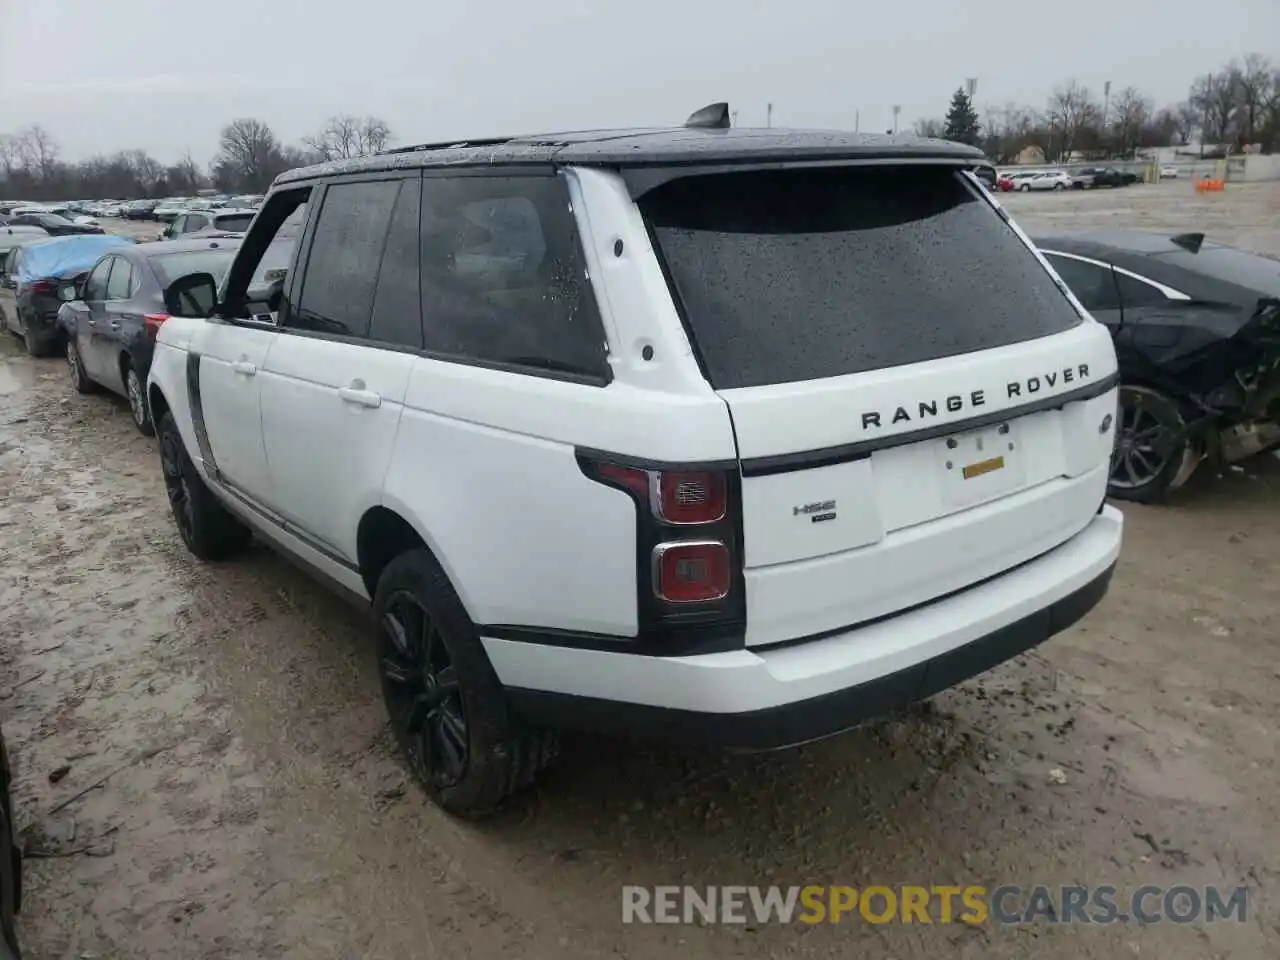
[{"x": 774, "y": 697}]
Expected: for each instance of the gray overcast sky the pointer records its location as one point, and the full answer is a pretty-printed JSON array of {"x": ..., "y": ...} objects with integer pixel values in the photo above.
[{"x": 166, "y": 74}]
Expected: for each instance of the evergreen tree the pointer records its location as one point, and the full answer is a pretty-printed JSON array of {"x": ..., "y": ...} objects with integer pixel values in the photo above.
[{"x": 962, "y": 120}]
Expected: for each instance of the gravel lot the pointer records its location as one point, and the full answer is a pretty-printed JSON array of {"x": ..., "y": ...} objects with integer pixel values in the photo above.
[{"x": 253, "y": 805}]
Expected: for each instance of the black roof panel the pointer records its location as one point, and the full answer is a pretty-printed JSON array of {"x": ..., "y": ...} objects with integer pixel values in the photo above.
[{"x": 652, "y": 147}]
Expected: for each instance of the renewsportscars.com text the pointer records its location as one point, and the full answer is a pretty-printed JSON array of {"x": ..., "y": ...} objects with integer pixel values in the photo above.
[{"x": 971, "y": 904}]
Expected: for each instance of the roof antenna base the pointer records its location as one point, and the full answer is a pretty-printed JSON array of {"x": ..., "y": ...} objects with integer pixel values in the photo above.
[{"x": 714, "y": 116}]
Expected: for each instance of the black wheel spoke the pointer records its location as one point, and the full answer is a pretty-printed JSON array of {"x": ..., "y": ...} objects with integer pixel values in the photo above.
[
  {"x": 423, "y": 691},
  {"x": 397, "y": 671}
]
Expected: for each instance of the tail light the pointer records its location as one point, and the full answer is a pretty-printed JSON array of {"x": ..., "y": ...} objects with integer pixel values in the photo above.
[
  {"x": 45, "y": 286},
  {"x": 690, "y": 592},
  {"x": 153, "y": 323},
  {"x": 691, "y": 571}
]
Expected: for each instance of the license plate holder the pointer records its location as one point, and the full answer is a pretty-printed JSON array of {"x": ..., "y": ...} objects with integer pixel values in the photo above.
[{"x": 980, "y": 465}]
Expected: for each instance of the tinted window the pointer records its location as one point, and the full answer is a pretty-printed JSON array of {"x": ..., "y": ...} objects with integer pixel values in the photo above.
[
  {"x": 95, "y": 287},
  {"x": 342, "y": 267},
  {"x": 169, "y": 267},
  {"x": 1094, "y": 286},
  {"x": 119, "y": 283},
  {"x": 503, "y": 275},
  {"x": 397, "y": 306},
  {"x": 803, "y": 274},
  {"x": 1135, "y": 293},
  {"x": 234, "y": 221}
]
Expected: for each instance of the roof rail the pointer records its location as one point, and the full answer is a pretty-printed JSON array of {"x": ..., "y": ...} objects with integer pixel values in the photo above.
[{"x": 447, "y": 145}]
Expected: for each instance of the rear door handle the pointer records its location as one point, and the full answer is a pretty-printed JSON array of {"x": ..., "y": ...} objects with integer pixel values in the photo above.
[
  {"x": 359, "y": 396},
  {"x": 245, "y": 367},
  {"x": 92, "y": 322}
]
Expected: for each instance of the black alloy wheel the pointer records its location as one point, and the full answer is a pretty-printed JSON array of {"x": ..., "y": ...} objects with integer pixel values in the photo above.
[
  {"x": 176, "y": 484},
  {"x": 422, "y": 691},
  {"x": 1149, "y": 446}
]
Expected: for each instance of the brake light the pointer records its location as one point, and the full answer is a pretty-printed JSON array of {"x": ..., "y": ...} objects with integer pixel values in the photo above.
[
  {"x": 689, "y": 498},
  {"x": 154, "y": 321},
  {"x": 44, "y": 286},
  {"x": 691, "y": 571}
]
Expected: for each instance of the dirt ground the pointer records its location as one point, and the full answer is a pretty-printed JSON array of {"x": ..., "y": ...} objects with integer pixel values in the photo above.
[{"x": 233, "y": 792}]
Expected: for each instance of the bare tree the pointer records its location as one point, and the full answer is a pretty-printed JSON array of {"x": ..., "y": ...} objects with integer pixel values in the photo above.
[
  {"x": 1130, "y": 113},
  {"x": 931, "y": 127},
  {"x": 1186, "y": 119},
  {"x": 1254, "y": 87},
  {"x": 1071, "y": 111},
  {"x": 39, "y": 151},
  {"x": 11, "y": 154},
  {"x": 248, "y": 156},
  {"x": 374, "y": 133},
  {"x": 1214, "y": 96},
  {"x": 344, "y": 136},
  {"x": 337, "y": 140}
]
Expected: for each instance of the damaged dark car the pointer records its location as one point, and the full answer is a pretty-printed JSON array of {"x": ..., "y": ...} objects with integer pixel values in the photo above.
[{"x": 1197, "y": 333}]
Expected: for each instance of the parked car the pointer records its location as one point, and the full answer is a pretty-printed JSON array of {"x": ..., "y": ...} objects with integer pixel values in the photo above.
[
  {"x": 42, "y": 269},
  {"x": 1197, "y": 332},
  {"x": 53, "y": 224},
  {"x": 140, "y": 210},
  {"x": 1004, "y": 182},
  {"x": 245, "y": 202},
  {"x": 166, "y": 210},
  {"x": 1168, "y": 173},
  {"x": 111, "y": 319},
  {"x": 1090, "y": 177},
  {"x": 1045, "y": 180},
  {"x": 10, "y": 863},
  {"x": 463, "y": 416},
  {"x": 86, "y": 221},
  {"x": 224, "y": 220}
]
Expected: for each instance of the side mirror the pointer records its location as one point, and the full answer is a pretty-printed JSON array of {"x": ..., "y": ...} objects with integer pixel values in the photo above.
[
  {"x": 194, "y": 295},
  {"x": 68, "y": 292}
]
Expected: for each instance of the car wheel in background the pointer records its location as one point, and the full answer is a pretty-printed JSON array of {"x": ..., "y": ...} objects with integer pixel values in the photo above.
[
  {"x": 1058, "y": 186},
  {"x": 446, "y": 704},
  {"x": 38, "y": 346},
  {"x": 1025, "y": 188},
  {"x": 79, "y": 379},
  {"x": 1151, "y": 445},
  {"x": 208, "y": 530},
  {"x": 137, "y": 394}
]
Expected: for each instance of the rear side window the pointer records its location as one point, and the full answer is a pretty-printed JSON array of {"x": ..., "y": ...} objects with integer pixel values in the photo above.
[
  {"x": 1093, "y": 285},
  {"x": 119, "y": 283},
  {"x": 237, "y": 222},
  {"x": 342, "y": 267},
  {"x": 799, "y": 275},
  {"x": 503, "y": 276}
]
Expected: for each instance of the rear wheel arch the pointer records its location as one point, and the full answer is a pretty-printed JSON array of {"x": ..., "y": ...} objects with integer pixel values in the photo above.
[{"x": 158, "y": 402}]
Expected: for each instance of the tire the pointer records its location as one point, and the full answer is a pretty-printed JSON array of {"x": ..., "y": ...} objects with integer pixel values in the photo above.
[
  {"x": 446, "y": 705},
  {"x": 208, "y": 530},
  {"x": 1150, "y": 446},
  {"x": 79, "y": 379},
  {"x": 136, "y": 390},
  {"x": 36, "y": 345},
  {"x": 1025, "y": 188},
  {"x": 1058, "y": 186}
]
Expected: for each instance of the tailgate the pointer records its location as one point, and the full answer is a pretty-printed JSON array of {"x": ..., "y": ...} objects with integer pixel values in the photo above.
[{"x": 918, "y": 404}]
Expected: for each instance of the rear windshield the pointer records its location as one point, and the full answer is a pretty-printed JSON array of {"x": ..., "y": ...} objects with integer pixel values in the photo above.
[
  {"x": 804, "y": 274},
  {"x": 173, "y": 266},
  {"x": 234, "y": 221}
]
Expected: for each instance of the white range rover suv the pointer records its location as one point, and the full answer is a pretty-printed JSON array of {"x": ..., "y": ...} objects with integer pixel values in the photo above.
[{"x": 731, "y": 436}]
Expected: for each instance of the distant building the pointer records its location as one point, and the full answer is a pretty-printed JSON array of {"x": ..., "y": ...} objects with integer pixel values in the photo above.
[{"x": 1031, "y": 154}]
